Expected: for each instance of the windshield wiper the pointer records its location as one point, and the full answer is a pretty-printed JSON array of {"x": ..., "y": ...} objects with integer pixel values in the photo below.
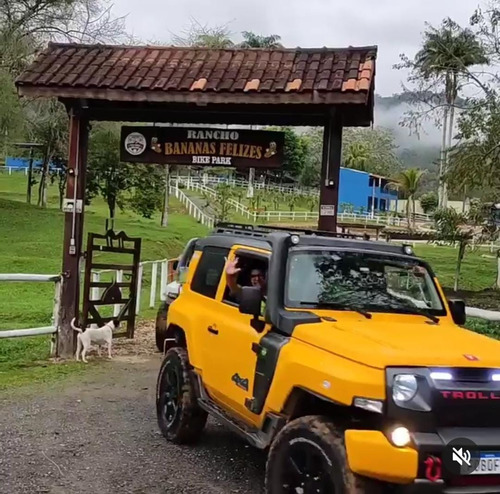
[
  {"x": 421, "y": 312},
  {"x": 327, "y": 305}
]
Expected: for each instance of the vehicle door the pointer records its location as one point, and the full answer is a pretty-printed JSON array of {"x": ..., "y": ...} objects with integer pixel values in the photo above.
[
  {"x": 204, "y": 310},
  {"x": 232, "y": 357}
]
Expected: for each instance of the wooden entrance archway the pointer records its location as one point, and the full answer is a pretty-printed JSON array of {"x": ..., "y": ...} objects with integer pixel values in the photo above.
[{"x": 332, "y": 88}]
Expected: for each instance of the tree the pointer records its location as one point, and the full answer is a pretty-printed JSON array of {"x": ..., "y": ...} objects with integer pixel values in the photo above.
[
  {"x": 475, "y": 161},
  {"x": 295, "y": 151},
  {"x": 429, "y": 202},
  {"x": 220, "y": 203},
  {"x": 11, "y": 113},
  {"x": 26, "y": 25},
  {"x": 59, "y": 175},
  {"x": 203, "y": 36},
  {"x": 48, "y": 126},
  {"x": 166, "y": 198},
  {"x": 357, "y": 156},
  {"x": 371, "y": 150},
  {"x": 106, "y": 175},
  {"x": 448, "y": 224},
  {"x": 444, "y": 62},
  {"x": 147, "y": 189},
  {"x": 252, "y": 40},
  {"x": 409, "y": 182}
]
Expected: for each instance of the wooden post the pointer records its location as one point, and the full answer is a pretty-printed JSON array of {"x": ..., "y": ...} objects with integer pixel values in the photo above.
[
  {"x": 73, "y": 232},
  {"x": 330, "y": 173}
]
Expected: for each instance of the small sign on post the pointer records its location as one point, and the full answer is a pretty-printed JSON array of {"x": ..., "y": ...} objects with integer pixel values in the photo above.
[
  {"x": 69, "y": 205},
  {"x": 238, "y": 148},
  {"x": 327, "y": 210}
]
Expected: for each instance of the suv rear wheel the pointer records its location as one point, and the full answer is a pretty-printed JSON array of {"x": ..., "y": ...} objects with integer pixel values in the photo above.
[
  {"x": 308, "y": 455},
  {"x": 180, "y": 418}
]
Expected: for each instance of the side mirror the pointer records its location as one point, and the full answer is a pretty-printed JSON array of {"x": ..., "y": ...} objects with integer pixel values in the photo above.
[
  {"x": 457, "y": 309},
  {"x": 250, "y": 303},
  {"x": 251, "y": 299},
  {"x": 175, "y": 265}
]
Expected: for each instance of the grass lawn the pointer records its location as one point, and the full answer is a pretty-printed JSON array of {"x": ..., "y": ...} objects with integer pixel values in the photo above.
[{"x": 32, "y": 243}]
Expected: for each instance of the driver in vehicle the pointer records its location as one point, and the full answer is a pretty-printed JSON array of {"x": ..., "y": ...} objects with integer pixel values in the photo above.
[{"x": 257, "y": 279}]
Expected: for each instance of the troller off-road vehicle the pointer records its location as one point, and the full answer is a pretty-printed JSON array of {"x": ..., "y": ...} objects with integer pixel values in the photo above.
[{"x": 355, "y": 373}]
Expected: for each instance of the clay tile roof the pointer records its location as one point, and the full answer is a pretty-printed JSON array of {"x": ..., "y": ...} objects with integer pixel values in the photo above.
[{"x": 169, "y": 74}]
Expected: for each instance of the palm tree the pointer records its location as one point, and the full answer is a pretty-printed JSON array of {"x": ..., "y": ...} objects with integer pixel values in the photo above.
[
  {"x": 252, "y": 40},
  {"x": 446, "y": 57},
  {"x": 409, "y": 183},
  {"x": 357, "y": 156}
]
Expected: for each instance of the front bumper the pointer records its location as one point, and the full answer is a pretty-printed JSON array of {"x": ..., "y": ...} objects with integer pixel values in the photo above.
[{"x": 371, "y": 454}]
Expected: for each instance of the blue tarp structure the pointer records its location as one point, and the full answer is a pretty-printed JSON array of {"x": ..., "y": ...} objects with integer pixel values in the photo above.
[{"x": 13, "y": 162}]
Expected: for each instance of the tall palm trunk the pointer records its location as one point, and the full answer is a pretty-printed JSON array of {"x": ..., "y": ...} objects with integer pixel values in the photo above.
[
  {"x": 408, "y": 213},
  {"x": 448, "y": 147},
  {"x": 442, "y": 161}
]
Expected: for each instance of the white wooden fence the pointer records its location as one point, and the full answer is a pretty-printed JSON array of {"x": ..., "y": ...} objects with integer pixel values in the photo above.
[
  {"x": 44, "y": 330},
  {"x": 161, "y": 270},
  {"x": 258, "y": 185},
  {"x": 192, "y": 209},
  {"x": 303, "y": 216},
  {"x": 10, "y": 169}
]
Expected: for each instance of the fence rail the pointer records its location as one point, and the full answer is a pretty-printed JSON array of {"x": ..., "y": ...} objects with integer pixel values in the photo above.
[
  {"x": 160, "y": 268},
  {"x": 287, "y": 215},
  {"x": 192, "y": 209},
  {"x": 10, "y": 169},
  {"x": 45, "y": 330}
]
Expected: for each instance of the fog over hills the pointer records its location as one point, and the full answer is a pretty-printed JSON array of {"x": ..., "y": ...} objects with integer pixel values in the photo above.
[{"x": 415, "y": 150}]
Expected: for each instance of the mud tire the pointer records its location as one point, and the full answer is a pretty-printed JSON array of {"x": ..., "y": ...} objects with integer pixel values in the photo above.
[
  {"x": 184, "y": 422},
  {"x": 324, "y": 439}
]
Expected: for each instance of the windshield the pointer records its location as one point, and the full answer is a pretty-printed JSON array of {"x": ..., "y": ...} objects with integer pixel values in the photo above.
[{"x": 360, "y": 281}]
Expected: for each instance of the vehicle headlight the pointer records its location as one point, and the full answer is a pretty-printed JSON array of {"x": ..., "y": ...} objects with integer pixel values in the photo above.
[
  {"x": 400, "y": 437},
  {"x": 404, "y": 388}
]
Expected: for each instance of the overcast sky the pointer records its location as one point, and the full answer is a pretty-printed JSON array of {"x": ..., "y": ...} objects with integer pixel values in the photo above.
[{"x": 394, "y": 25}]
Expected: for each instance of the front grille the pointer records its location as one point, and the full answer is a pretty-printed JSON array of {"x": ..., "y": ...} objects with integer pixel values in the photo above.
[
  {"x": 470, "y": 399},
  {"x": 468, "y": 374}
]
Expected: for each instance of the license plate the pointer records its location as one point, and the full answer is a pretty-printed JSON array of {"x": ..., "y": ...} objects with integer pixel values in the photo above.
[{"x": 489, "y": 464}]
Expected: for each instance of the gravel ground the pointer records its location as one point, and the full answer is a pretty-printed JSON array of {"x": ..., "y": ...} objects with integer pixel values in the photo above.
[{"x": 97, "y": 433}]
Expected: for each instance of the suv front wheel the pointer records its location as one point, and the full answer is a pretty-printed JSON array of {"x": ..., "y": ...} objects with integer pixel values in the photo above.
[
  {"x": 308, "y": 455},
  {"x": 180, "y": 418}
]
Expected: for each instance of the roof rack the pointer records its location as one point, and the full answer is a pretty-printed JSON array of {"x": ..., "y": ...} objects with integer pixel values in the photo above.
[{"x": 249, "y": 230}]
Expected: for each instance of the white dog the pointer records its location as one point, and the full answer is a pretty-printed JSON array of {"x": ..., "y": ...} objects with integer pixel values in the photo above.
[{"x": 99, "y": 336}]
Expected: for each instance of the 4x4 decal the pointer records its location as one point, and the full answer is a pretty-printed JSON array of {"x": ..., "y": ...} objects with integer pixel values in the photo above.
[{"x": 240, "y": 382}]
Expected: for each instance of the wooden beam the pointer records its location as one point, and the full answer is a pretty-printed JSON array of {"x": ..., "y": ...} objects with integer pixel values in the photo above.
[
  {"x": 198, "y": 98},
  {"x": 330, "y": 173},
  {"x": 220, "y": 114},
  {"x": 73, "y": 231}
]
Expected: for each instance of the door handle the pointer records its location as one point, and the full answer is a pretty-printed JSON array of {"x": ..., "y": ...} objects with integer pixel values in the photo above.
[{"x": 213, "y": 330}]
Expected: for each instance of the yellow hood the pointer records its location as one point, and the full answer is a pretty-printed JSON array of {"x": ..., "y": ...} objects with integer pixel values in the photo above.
[{"x": 400, "y": 340}]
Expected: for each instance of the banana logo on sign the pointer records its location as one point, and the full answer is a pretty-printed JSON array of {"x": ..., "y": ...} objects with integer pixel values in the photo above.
[{"x": 271, "y": 150}]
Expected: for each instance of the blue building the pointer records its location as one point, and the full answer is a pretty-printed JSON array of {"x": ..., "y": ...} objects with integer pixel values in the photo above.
[{"x": 362, "y": 191}]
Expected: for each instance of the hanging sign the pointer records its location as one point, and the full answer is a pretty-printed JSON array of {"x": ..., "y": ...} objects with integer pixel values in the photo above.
[{"x": 239, "y": 148}]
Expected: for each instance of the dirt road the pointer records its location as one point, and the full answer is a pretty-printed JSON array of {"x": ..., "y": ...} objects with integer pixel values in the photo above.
[{"x": 97, "y": 433}]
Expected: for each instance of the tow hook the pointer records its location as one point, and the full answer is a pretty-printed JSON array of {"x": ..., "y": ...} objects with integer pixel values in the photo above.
[{"x": 433, "y": 470}]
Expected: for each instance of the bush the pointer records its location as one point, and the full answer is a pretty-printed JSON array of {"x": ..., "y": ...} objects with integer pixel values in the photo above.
[{"x": 429, "y": 202}]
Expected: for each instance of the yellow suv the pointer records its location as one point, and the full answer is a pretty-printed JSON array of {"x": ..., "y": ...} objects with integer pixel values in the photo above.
[{"x": 355, "y": 373}]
